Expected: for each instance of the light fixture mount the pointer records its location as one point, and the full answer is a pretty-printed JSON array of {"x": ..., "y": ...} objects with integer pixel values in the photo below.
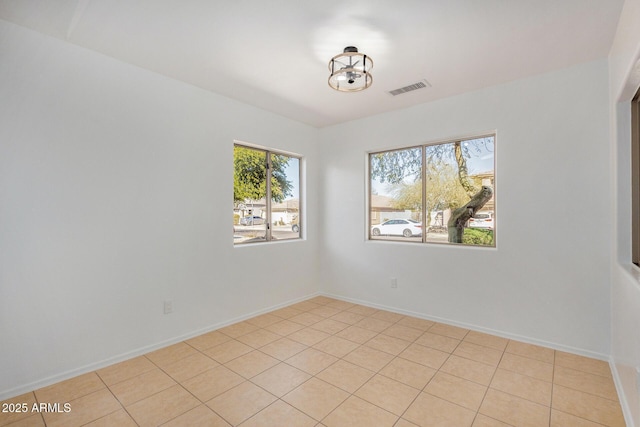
[{"x": 350, "y": 71}]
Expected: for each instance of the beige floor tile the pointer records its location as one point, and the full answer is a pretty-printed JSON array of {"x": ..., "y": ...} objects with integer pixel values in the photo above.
[
  {"x": 340, "y": 305},
  {"x": 581, "y": 363},
  {"x": 362, "y": 310},
  {"x": 190, "y": 366},
  {"x": 280, "y": 414},
  {"x": 125, "y": 370},
  {"x": 522, "y": 386},
  {"x": 492, "y": 341},
  {"x": 311, "y": 361},
  {"x": 336, "y": 346},
  {"x": 369, "y": 358},
  {"x": 469, "y": 370},
  {"x": 484, "y": 421},
  {"x": 208, "y": 340},
  {"x": 32, "y": 420},
  {"x": 173, "y": 353},
  {"x": 514, "y": 410},
  {"x": 373, "y": 324},
  {"x": 356, "y": 334},
  {"x": 264, "y": 320},
  {"x": 84, "y": 410},
  {"x": 330, "y": 326},
  {"x": 527, "y": 366},
  {"x": 448, "y": 331},
  {"x": 24, "y": 402},
  {"x": 251, "y": 364},
  {"x": 259, "y": 338},
  {"x": 425, "y": 356},
  {"x": 238, "y": 329},
  {"x": 213, "y": 382},
  {"x": 70, "y": 389},
  {"x": 388, "y": 316},
  {"x": 408, "y": 372},
  {"x": 429, "y": 411},
  {"x": 306, "y": 305},
  {"x": 388, "y": 394},
  {"x": 200, "y": 416},
  {"x": 324, "y": 311},
  {"x": 590, "y": 383},
  {"x": 531, "y": 351},
  {"x": 322, "y": 300},
  {"x": 355, "y": 412},
  {"x": 306, "y": 319},
  {"x": 403, "y": 332},
  {"x": 404, "y": 423},
  {"x": 416, "y": 323},
  {"x": 587, "y": 406},
  {"x": 142, "y": 386},
  {"x": 286, "y": 312},
  {"x": 162, "y": 407},
  {"x": 280, "y": 379},
  {"x": 119, "y": 418},
  {"x": 316, "y": 398},
  {"x": 284, "y": 327},
  {"x": 283, "y": 348},
  {"x": 228, "y": 351},
  {"x": 478, "y": 353},
  {"x": 439, "y": 342},
  {"x": 308, "y": 336},
  {"x": 388, "y": 344},
  {"x": 345, "y": 375},
  {"x": 241, "y": 402},
  {"x": 348, "y": 317},
  {"x": 562, "y": 419},
  {"x": 456, "y": 390}
]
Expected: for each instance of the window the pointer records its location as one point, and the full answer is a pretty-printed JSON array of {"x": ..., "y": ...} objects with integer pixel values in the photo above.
[
  {"x": 266, "y": 195},
  {"x": 434, "y": 193},
  {"x": 635, "y": 179}
]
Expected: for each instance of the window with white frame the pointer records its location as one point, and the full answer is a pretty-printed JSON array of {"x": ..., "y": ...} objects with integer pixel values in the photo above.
[
  {"x": 434, "y": 193},
  {"x": 266, "y": 195}
]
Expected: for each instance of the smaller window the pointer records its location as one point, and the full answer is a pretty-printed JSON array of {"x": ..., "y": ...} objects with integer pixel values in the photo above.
[
  {"x": 635, "y": 179},
  {"x": 266, "y": 195}
]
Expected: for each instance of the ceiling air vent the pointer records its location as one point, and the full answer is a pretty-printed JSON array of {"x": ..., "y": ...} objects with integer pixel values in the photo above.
[{"x": 421, "y": 84}]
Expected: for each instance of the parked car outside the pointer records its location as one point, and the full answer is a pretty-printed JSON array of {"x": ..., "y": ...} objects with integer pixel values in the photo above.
[
  {"x": 482, "y": 220},
  {"x": 398, "y": 227},
  {"x": 252, "y": 220}
]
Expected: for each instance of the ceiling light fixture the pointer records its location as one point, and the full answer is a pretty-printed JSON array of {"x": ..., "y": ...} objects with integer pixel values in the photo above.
[{"x": 350, "y": 71}]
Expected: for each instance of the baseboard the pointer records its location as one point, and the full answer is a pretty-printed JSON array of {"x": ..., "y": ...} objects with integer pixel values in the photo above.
[
  {"x": 622, "y": 397},
  {"x": 521, "y": 338},
  {"x": 16, "y": 391}
]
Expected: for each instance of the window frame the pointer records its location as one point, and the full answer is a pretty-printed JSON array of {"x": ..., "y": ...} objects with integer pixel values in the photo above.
[
  {"x": 268, "y": 152},
  {"x": 423, "y": 173},
  {"x": 635, "y": 179}
]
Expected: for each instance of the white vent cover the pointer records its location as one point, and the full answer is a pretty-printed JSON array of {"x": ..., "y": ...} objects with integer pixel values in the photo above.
[{"x": 419, "y": 85}]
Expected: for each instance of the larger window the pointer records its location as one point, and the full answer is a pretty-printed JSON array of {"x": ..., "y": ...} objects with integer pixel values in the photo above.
[
  {"x": 434, "y": 193},
  {"x": 266, "y": 195},
  {"x": 635, "y": 179}
]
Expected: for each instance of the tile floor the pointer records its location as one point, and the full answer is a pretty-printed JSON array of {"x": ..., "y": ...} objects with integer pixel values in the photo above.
[{"x": 329, "y": 363}]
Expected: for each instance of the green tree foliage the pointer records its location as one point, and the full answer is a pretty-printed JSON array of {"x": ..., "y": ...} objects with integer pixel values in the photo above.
[{"x": 250, "y": 175}]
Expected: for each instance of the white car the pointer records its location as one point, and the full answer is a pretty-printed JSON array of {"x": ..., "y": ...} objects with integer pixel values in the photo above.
[
  {"x": 398, "y": 227},
  {"x": 482, "y": 220}
]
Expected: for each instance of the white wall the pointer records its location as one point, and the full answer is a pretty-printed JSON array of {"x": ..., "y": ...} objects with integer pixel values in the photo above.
[
  {"x": 115, "y": 194},
  {"x": 624, "y": 81},
  {"x": 548, "y": 279}
]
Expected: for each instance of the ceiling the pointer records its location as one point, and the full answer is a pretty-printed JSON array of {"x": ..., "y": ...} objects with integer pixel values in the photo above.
[{"x": 274, "y": 54}]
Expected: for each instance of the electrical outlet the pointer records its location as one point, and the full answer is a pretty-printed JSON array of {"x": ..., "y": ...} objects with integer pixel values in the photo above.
[
  {"x": 168, "y": 306},
  {"x": 394, "y": 282}
]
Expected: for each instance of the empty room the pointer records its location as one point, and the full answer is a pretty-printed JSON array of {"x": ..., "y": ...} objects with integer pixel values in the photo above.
[{"x": 323, "y": 214}]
